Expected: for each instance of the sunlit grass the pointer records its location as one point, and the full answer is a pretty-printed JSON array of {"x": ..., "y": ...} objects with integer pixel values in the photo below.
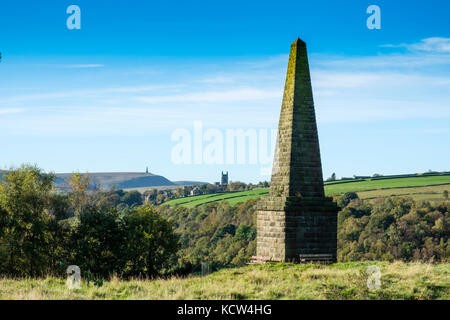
[
  {"x": 271, "y": 281},
  {"x": 385, "y": 187}
]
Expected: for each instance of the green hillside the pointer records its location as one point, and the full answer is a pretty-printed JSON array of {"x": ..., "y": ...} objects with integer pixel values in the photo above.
[
  {"x": 395, "y": 185},
  {"x": 270, "y": 281},
  {"x": 370, "y": 184},
  {"x": 231, "y": 197}
]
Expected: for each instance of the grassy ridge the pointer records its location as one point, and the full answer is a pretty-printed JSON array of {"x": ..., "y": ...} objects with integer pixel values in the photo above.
[
  {"x": 231, "y": 197},
  {"x": 335, "y": 187},
  {"x": 367, "y": 185},
  {"x": 271, "y": 281}
]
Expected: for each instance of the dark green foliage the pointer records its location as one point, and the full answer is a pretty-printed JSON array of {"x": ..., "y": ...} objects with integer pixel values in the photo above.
[
  {"x": 222, "y": 231},
  {"x": 89, "y": 277},
  {"x": 396, "y": 228},
  {"x": 117, "y": 235},
  {"x": 59, "y": 205},
  {"x": 245, "y": 232},
  {"x": 137, "y": 243},
  {"x": 116, "y": 198},
  {"x": 97, "y": 242},
  {"x": 215, "y": 232},
  {"x": 346, "y": 198},
  {"x": 132, "y": 198},
  {"x": 27, "y": 230},
  {"x": 149, "y": 242},
  {"x": 37, "y": 239}
]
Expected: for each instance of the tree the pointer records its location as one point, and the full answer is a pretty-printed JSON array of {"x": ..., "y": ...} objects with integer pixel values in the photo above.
[
  {"x": 150, "y": 241},
  {"x": 26, "y": 230},
  {"x": 332, "y": 178},
  {"x": 97, "y": 242},
  {"x": 211, "y": 188},
  {"x": 179, "y": 192},
  {"x": 132, "y": 198},
  {"x": 245, "y": 232},
  {"x": 59, "y": 205},
  {"x": 346, "y": 198},
  {"x": 79, "y": 188}
]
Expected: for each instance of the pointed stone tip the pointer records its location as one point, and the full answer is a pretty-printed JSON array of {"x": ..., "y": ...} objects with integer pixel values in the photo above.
[{"x": 299, "y": 42}]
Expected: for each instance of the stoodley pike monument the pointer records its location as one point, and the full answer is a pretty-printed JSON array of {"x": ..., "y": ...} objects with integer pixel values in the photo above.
[{"x": 296, "y": 222}]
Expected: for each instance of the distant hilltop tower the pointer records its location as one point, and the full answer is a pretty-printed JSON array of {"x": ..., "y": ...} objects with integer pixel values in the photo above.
[
  {"x": 296, "y": 222},
  {"x": 224, "y": 179},
  {"x": 146, "y": 169}
]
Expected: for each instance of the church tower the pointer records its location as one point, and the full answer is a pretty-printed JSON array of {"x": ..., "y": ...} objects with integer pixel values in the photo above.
[{"x": 224, "y": 179}]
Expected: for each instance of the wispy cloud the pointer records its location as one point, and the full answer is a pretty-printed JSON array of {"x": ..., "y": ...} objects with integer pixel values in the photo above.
[
  {"x": 215, "y": 96},
  {"x": 384, "y": 87},
  {"x": 83, "y": 66},
  {"x": 433, "y": 44},
  {"x": 87, "y": 93},
  {"x": 382, "y": 62},
  {"x": 10, "y": 111}
]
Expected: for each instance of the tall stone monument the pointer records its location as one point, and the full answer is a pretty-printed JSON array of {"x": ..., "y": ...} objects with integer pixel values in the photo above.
[{"x": 296, "y": 219}]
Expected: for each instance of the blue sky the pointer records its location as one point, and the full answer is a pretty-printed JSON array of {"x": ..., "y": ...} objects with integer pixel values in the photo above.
[{"x": 110, "y": 96}]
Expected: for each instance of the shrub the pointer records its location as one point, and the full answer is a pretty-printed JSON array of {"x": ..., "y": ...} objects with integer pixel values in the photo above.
[
  {"x": 27, "y": 230},
  {"x": 97, "y": 242},
  {"x": 149, "y": 242},
  {"x": 346, "y": 198}
]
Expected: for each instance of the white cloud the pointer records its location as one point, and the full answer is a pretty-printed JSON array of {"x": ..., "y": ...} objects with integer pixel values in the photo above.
[
  {"x": 433, "y": 44},
  {"x": 412, "y": 85},
  {"x": 10, "y": 111},
  {"x": 215, "y": 96},
  {"x": 382, "y": 62},
  {"x": 376, "y": 110},
  {"x": 86, "y": 93},
  {"x": 83, "y": 66},
  {"x": 217, "y": 79}
]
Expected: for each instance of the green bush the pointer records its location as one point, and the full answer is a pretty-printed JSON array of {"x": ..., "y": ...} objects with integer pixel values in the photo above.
[
  {"x": 27, "y": 230},
  {"x": 97, "y": 242},
  {"x": 149, "y": 242},
  {"x": 346, "y": 198}
]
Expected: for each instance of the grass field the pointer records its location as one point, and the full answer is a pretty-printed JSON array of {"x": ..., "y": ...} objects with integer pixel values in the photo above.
[
  {"x": 367, "y": 184},
  {"x": 270, "y": 281},
  {"x": 231, "y": 197},
  {"x": 430, "y": 193},
  {"x": 420, "y": 188}
]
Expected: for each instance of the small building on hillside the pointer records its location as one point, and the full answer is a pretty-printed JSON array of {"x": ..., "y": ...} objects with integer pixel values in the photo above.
[{"x": 195, "y": 191}]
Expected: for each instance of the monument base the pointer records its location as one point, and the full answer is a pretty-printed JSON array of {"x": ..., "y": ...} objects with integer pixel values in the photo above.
[{"x": 290, "y": 227}]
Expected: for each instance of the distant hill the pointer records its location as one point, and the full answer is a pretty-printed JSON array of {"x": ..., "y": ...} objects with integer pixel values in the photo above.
[
  {"x": 124, "y": 180},
  {"x": 188, "y": 183}
]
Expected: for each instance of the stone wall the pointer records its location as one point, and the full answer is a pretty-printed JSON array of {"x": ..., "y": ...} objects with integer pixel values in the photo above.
[{"x": 302, "y": 227}]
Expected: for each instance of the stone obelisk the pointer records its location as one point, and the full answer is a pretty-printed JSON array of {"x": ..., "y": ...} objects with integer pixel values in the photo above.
[{"x": 296, "y": 219}]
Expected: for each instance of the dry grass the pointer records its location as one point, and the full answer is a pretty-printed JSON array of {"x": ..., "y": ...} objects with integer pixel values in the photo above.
[{"x": 271, "y": 281}]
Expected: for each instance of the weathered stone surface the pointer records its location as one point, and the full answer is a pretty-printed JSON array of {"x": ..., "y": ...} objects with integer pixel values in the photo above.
[{"x": 296, "y": 217}]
